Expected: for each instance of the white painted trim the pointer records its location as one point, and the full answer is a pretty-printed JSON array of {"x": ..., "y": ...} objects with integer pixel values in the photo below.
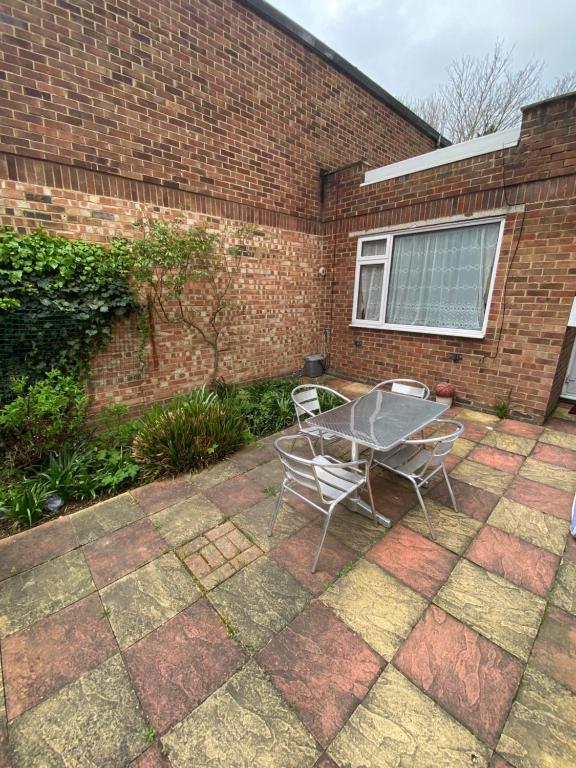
[
  {"x": 386, "y": 260},
  {"x": 495, "y": 213},
  {"x": 572, "y": 317},
  {"x": 466, "y": 149}
]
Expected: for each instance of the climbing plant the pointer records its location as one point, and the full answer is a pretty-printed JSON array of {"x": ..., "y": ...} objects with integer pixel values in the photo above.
[{"x": 59, "y": 298}]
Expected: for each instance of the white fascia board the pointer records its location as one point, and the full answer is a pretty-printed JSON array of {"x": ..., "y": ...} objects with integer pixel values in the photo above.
[{"x": 481, "y": 146}]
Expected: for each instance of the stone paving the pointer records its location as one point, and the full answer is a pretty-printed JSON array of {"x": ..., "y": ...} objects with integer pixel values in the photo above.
[{"x": 165, "y": 628}]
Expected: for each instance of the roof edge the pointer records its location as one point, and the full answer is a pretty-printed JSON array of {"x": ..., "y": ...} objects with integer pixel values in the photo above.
[
  {"x": 549, "y": 100},
  {"x": 283, "y": 22}
]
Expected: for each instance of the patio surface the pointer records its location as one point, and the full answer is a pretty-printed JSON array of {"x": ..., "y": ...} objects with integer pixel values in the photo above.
[{"x": 164, "y": 628}]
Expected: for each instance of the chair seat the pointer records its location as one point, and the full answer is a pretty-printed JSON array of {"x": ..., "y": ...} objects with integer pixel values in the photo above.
[
  {"x": 336, "y": 482},
  {"x": 408, "y": 460}
]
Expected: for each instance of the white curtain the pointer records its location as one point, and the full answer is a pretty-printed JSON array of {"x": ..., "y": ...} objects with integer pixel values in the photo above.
[
  {"x": 441, "y": 279},
  {"x": 370, "y": 292}
]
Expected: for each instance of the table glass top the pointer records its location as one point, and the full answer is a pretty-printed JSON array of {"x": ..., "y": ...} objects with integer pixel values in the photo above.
[{"x": 379, "y": 419}]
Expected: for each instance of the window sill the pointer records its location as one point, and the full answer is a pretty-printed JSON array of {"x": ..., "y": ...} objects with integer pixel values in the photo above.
[{"x": 422, "y": 329}]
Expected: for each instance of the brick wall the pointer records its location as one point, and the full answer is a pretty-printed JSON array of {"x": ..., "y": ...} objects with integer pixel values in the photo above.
[
  {"x": 535, "y": 183},
  {"x": 204, "y": 108}
]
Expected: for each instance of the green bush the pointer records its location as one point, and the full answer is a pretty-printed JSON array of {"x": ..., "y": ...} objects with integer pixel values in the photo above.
[
  {"x": 267, "y": 405},
  {"x": 43, "y": 418},
  {"x": 188, "y": 435},
  {"x": 24, "y": 502},
  {"x": 58, "y": 300}
]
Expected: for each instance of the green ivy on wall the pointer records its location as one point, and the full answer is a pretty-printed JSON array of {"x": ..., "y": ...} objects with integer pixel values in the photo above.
[{"x": 58, "y": 301}]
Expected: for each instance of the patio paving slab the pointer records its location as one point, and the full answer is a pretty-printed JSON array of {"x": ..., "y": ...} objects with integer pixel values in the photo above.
[
  {"x": 494, "y": 457},
  {"x": 552, "y": 454},
  {"x": 235, "y": 495},
  {"x": 118, "y": 553},
  {"x": 259, "y": 601},
  {"x": 478, "y": 417},
  {"x": 398, "y": 725},
  {"x": 554, "y": 651},
  {"x": 518, "y": 561},
  {"x": 530, "y": 525},
  {"x": 474, "y": 502},
  {"x": 354, "y": 530},
  {"x": 296, "y": 554},
  {"x": 557, "y": 477},
  {"x": 376, "y": 606},
  {"x": 186, "y": 520},
  {"x": 462, "y": 447},
  {"x": 256, "y": 521},
  {"x": 481, "y": 476},
  {"x": 321, "y": 668},
  {"x": 520, "y": 428},
  {"x": 105, "y": 517},
  {"x": 214, "y": 475},
  {"x": 32, "y": 595},
  {"x": 541, "y": 729},
  {"x": 36, "y": 546},
  {"x": 254, "y": 455},
  {"x": 79, "y": 726},
  {"x": 471, "y": 677},
  {"x": 415, "y": 560},
  {"x": 507, "y": 442},
  {"x": 245, "y": 724},
  {"x": 564, "y": 592},
  {"x": 181, "y": 663},
  {"x": 474, "y": 431},
  {"x": 162, "y": 493},
  {"x": 552, "y": 501},
  {"x": 152, "y": 758},
  {"x": 40, "y": 660},
  {"x": 454, "y": 530},
  {"x": 269, "y": 474},
  {"x": 502, "y": 612},
  {"x": 146, "y": 598},
  {"x": 560, "y": 439}
]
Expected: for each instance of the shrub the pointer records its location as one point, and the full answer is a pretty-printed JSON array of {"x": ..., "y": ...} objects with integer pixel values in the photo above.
[
  {"x": 24, "y": 502},
  {"x": 267, "y": 405},
  {"x": 43, "y": 418},
  {"x": 188, "y": 435}
]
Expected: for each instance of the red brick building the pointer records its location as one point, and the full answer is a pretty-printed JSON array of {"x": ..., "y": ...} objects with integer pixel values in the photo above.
[{"x": 225, "y": 111}]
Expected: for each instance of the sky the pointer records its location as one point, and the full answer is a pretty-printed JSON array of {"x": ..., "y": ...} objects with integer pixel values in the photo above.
[{"x": 405, "y": 46}]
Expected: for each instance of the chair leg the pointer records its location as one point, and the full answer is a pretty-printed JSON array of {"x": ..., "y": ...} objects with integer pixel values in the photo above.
[
  {"x": 321, "y": 542},
  {"x": 450, "y": 491},
  {"x": 426, "y": 515},
  {"x": 371, "y": 499},
  {"x": 276, "y": 510}
]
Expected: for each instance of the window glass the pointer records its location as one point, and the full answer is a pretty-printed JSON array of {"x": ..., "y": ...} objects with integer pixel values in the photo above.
[{"x": 370, "y": 292}]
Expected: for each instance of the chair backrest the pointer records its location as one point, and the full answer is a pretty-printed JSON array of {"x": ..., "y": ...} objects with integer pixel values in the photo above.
[
  {"x": 307, "y": 402},
  {"x": 435, "y": 449},
  {"x": 405, "y": 387}
]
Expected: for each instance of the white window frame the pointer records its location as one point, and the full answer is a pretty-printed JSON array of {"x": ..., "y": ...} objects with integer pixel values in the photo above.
[{"x": 386, "y": 260}]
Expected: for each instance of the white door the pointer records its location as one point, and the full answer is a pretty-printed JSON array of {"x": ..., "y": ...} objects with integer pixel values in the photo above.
[{"x": 569, "y": 388}]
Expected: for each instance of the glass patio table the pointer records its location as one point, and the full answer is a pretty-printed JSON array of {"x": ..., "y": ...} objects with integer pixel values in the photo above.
[{"x": 379, "y": 420}]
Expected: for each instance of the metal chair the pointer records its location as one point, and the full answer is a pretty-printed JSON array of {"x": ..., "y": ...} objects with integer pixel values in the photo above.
[
  {"x": 333, "y": 481},
  {"x": 418, "y": 460},
  {"x": 405, "y": 387},
  {"x": 307, "y": 404}
]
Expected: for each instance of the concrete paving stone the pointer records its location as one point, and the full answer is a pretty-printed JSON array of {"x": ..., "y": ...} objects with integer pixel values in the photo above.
[
  {"x": 152, "y": 758},
  {"x": 481, "y": 476},
  {"x": 511, "y": 443},
  {"x": 40, "y": 660},
  {"x": 474, "y": 431},
  {"x": 146, "y": 598},
  {"x": 186, "y": 520},
  {"x": 563, "y": 593},
  {"x": 376, "y": 606},
  {"x": 520, "y": 429},
  {"x": 321, "y": 668},
  {"x": 266, "y": 475},
  {"x": 530, "y": 525},
  {"x": 398, "y": 725},
  {"x": 478, "y": 417},
  {"x": 297, "y": 553},
  {"x": 552, "y": 501},
  {"x": 454, "y": 530},
  {"x": 552, "y": 454},
  {"x": 494, "y": 457},
  {"x": 254, "y": 522},
  {"x": 116, "y": 554},
  {"x": 235, "y": 495},
  {"x": 472, "y": 501},
  {"x": 504, "y": 613},
  {"x": 258, "y": 601},
  {"x": 554, "y": 651},
  {"x": 541, "y": 729},
  {"x": 214, "y": 475},
  {"x": 5, "y": 759},
  {"x": 163, "y": 493},
  {"x": 560, "y": 439},
  {"x": 462, "y": 447},
  {"x": 354, "y": 530},
  {"x": 94, "y": 721},
  {"x": 570, "y": 551},
  {"x": 561, "y": 425},
  {"x": 557, "y": 477},
  {"x": 181, "y": 663},
  {"x": 518, "y": 561},
  {"x": 469, "y": 676},
  {"x": 415, "y": 560},
  {"x": 105, "y": 517},
  {"x": 254, "y": 456},
  {"x": 32, "y": 595},
  {"x": 25, "y": 550},
  {"x": 245, "y": 724}
]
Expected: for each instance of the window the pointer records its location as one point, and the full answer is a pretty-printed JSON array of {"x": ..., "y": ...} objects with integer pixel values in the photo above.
[{"x": 432, "y": 280}]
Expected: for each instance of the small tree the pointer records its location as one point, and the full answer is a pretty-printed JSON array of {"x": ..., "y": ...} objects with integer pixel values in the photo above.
[{"x": 189, "y": 274}]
